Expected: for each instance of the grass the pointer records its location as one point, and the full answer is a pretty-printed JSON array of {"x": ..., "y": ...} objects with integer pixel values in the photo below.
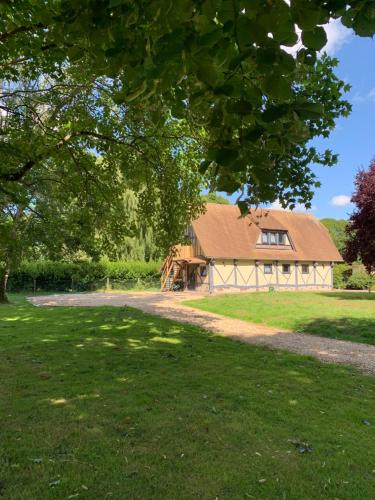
[
  {"x": 341, "y": 315},
  {"x": 114, "y": 403}
]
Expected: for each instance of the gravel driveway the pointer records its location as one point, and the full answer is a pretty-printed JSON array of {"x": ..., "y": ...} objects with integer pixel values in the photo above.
[{"x": 168, "y": 305}]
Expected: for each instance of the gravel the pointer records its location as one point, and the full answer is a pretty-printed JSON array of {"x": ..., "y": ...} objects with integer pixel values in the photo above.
[{"x": 168, "y": 305}]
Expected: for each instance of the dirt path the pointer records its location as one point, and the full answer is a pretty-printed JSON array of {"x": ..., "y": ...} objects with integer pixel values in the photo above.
[{"x": 168, "y": 305}]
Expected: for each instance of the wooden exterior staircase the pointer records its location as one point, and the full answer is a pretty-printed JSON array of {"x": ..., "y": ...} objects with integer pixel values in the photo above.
[{"x": 172, "y": 270}]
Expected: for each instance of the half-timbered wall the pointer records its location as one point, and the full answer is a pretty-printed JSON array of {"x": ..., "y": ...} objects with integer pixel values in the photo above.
[
  {"x": 255, "y": 275},
  {"x": 202, "y": 278},
  {"x": 224, "y": 273}
]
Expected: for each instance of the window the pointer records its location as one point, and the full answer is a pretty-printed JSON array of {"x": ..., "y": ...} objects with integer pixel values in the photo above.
[
  {"x": 305, "y": 269},
  {"x": 286, "y": 268},
  {"x": 267, "y": 268},
  {"x": 274, "y": 238},
  {"x": 281, "y": 238}
]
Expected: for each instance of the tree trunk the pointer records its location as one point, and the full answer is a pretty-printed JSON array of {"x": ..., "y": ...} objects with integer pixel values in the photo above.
[{"x": 4, "y": 273}]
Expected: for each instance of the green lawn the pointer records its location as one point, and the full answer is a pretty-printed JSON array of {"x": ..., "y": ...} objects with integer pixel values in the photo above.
[
  {"x": 341, "y": 315},
  {"x": 112, "y": 403}
]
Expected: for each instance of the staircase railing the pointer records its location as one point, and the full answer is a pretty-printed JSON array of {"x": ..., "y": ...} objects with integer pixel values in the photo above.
[{"x": 166, "y": 270}]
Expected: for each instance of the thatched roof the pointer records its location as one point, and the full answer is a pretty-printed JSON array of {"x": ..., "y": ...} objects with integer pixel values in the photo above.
[{"x": 223, "y": 233}]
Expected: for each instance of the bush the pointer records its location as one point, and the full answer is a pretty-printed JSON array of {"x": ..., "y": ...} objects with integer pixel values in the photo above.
[
  {"x": 130, "y": 270},
  {"x": 359, "y": 281},
  {"x": 341, "y": 274},
  {"x": 83, "y": 275}
]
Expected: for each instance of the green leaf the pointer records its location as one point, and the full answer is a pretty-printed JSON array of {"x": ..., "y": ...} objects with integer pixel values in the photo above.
[
  {"x": 204, "y": 165},
  {"x": 315, "y": 39},
  {"x": 216, "y": 118},
  {"x": 240, "y": 107},
  {"x": 75, "y": 53},
  {"x": 227, "y": 184},
  {"x": 119, "y": 97},
  {"x": 308, "y": 14},
  {"x": 249, "y": 32},
  {"x": 287, "y": 63},
  {"x": 252, "y": 134},
  {"x": 244, "y": 207},
  {"x": 278, "y": 88},
  {"x": 364, "y": 23},
  {"x": 288, "y": 38},
  {"x": 237, "y": 60},
  {"x": 273, "y": 113},
  {"x": 115, "y": 3},
  {"x": 226, "y": 89},
  {"x": 306, "y": 56},
  {"x": 266, "y": 56},
  {"x": 310, "y": 110},
  {"x": 210, "y": 39},
  {"x": 226, "y": 156},
  {"x": 208, "y": 74}
]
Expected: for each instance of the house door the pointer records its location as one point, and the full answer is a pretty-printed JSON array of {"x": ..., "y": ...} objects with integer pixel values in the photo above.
[{"x": 192, "y": 276}]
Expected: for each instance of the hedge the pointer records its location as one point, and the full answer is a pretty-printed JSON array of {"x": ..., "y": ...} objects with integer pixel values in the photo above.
[
  {"x": 351, "y": 277},
  {"x": 359, "y": 281},
  {"x": 341, "y": 274},
  {"x": 84, "y": 275}
]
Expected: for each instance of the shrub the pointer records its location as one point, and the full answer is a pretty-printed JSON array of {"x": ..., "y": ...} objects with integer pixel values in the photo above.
[
  {"x": 341, "y": 274},
  {"x": 359, "y": 281},
  {"x": 130, "y": 270},
  {"x": 83, "y": 275}
]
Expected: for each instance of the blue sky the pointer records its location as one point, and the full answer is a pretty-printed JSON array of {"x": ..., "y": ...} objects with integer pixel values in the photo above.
[{"x": 354, "y": 137}]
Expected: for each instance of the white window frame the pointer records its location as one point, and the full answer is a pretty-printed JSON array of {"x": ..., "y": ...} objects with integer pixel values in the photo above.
[
  {"x": 265, "y": 237},
  {"x": 268, "y": 266},
  {"x": 281, "y": 236},
  {"x": 274, "y": 238}
]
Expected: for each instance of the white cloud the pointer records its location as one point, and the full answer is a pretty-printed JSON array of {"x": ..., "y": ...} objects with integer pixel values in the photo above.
[
  {"x": 370, "y": 96},
  {"x": 337, "y": 36},
  {"x": 340, "y": 200},
  {"x": 299, "y": 207}
]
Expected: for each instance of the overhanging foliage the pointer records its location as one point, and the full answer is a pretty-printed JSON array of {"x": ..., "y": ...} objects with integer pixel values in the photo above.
[{"x": 220, "y": 64}]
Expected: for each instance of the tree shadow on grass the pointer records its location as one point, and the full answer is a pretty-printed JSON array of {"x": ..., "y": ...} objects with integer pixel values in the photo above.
[
  {"x": 345, "y": 328},
  {"x": 348, "y": 295},
  {"x": 113, "y": 398}
]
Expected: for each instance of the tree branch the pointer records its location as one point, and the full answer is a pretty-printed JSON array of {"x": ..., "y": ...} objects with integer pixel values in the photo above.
[
  {"x": 19, "y": 174},
  {"x": 20, "y": 29}
]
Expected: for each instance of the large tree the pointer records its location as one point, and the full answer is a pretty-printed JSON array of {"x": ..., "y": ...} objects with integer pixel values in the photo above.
[
  {"x": 82, "y": 173},
  {"x": 337, "y": 230},
  {"x": 219, "y": 64},
  {"x": 215, "y": 198},
  {"x": 361, "y": 228}
]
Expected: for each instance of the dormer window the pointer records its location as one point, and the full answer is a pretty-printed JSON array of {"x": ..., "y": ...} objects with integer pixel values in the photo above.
[{"x": 274, "y": 238}]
